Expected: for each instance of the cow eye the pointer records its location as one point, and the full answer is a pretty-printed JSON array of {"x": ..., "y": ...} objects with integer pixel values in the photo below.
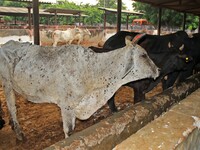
[
  {"x": 144, "y": 55},
  {"x": 187, "y": 59}
]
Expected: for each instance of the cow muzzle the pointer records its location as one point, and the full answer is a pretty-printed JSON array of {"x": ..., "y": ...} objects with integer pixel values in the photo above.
[{"x": 157, "y": 73}]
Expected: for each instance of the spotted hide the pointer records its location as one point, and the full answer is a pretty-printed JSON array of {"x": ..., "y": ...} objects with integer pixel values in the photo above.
[{"x": 75, "y": 78}]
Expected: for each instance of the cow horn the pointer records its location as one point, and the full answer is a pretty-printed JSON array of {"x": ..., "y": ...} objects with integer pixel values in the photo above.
[
  {"x": 169, "y": 45},
  {"x": 138, "y": 37},
  {"x": 181, "y": 48}
]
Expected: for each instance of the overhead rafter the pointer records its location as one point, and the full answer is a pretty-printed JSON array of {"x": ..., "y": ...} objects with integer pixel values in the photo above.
[{"x": 186, "y": 6}]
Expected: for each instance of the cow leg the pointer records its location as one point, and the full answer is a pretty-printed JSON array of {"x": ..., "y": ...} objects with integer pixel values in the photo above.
[
  {"x": 138, "y": 95},
  {"x": 10, "y": 98},
  {"x": 70, "y": 41},
  {"x": 55, "y": 43},
  {"x": 2, "y": 122},
  {"x": 138, "y": 87},
  {"x": 111, "y": 104},
  {"x": 79, "y": 41},
  {"x": 68, "y": 118}
]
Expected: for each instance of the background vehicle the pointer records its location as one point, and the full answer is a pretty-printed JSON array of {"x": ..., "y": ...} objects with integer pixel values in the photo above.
[{"x": 141, "y": 24}]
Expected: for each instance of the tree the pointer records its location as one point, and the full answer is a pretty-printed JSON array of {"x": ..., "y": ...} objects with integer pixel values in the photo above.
[
  {"x": 94, "y": 16},
  {"x": 170, "y": 18},
  {"x": 111, "y": 17}
]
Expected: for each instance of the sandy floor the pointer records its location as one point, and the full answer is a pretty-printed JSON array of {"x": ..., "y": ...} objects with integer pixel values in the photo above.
[{"x": 42, "y": 124}]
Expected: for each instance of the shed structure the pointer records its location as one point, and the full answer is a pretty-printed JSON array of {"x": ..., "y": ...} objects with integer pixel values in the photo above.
[
  {"x": 115, "y": 11},
  {"x": 183, "y": 6},
  {"x": 14, "y": 11}
]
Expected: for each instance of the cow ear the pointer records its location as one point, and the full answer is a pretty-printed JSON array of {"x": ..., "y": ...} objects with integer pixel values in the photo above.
[
  {"x": 128, "y": 40},
  {"x": 138, "y": 37}
]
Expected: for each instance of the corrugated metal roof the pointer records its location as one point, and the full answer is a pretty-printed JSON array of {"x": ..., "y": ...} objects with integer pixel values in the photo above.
[
  {"x": 123, "y": 11},
  {"x": 66, "y": 11},
  {"x": 19, "y": 11}
]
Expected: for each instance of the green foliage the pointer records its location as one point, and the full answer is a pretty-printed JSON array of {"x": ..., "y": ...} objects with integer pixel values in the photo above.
[
  {"x": 94, "y": 16},
  {"x": 170, "y": 18},
  {"x": 192, "y": 22},
  {"x": 107, "y": 3}
]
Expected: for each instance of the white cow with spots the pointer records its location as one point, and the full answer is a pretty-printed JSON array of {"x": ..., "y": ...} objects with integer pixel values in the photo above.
[
  {"x": 66, "y": 36},
  {"x": 75, "y": 78}
]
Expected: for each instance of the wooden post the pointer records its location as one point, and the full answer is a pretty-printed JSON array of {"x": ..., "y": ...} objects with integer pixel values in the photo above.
[
  {"x": 199, "y": 25},
  {"x": 56, "y": 19},
  {"x": 79, "y": 15},
  {"x": 29, "y": 17},
  {"x": 184, "y": 20},
  {"x": 159, "y": 19},
  {"x": 127, "y": 18},
  {"x": 48, "y": 20},
  {"x": 104, "y": 25},
  {"x": 36, "y": 22},
  {"x": 119, "y": 10},
  {"x": 15, "y": 20},
  {"x": 67, "y": 19}
]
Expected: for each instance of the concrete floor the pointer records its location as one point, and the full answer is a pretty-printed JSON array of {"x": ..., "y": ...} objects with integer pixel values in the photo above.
[{"x": 172, "y": 130}]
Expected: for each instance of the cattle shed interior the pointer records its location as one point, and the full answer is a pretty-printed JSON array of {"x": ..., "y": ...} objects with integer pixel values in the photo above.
[
  {"x": 169, "y": 120},
  {"x": 128, "y": 13}
]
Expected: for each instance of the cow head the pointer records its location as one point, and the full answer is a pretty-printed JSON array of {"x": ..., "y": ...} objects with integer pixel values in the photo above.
[
  {"x": 140, "y": 59},
  {"x": 179, "y": 38},
  {"x": 185, "y": 59}
]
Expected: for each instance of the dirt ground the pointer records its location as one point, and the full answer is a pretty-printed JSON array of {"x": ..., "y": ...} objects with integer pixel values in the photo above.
[{"x": 42, "y": 123}]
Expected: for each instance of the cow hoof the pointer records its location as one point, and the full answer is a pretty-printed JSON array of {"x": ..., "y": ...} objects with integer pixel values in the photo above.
[
  {"x": 147, "y": 101},
  {"x": 21, "y": 137},
  {"x": 114, "y": 110}
]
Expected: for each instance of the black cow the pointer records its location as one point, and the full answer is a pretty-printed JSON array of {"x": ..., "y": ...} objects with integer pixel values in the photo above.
[
  {"x": 118, "y": 40},
  {"x": 192, "y": 48},
  {"x": 163, "y": 50},
  {"x": 2, "y": 122},
  {"x": 151, "y": 43}
]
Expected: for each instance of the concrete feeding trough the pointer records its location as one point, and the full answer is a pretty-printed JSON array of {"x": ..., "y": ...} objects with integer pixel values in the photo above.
[{"x": 113, "y": 130}]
